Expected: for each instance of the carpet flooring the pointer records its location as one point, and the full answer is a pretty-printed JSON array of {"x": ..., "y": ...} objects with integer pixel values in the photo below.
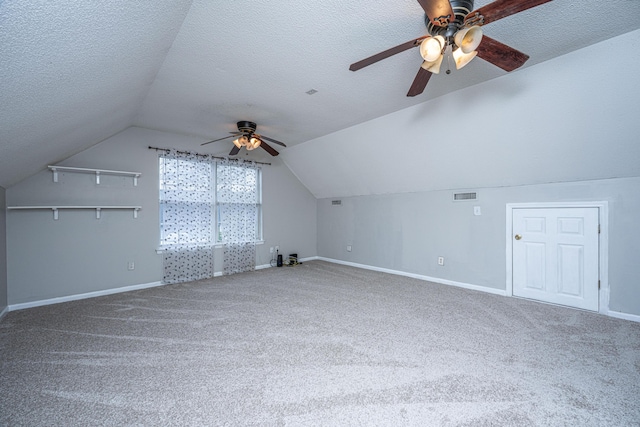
[{"x": 318, "y": 344}]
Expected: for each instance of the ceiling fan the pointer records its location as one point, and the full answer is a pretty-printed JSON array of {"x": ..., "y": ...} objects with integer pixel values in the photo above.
[
  {"x": 247, "y": 137},
  {"x": 454, "y": 29}
]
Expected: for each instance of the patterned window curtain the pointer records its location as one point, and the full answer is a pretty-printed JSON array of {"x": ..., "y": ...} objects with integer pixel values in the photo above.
[
  {"x": 186, "y": 216},
  {"x": 238, "y": 196}
]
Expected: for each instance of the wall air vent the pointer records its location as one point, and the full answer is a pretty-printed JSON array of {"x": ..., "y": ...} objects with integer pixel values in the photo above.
[
  {"x": 459, "y": 197},
  {"x": 336, "y": 202}
]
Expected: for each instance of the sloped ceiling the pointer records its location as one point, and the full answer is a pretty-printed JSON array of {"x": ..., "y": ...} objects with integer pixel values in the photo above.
[
  {"x": 74, "y": 73},
  {"x": 564, "y": 120}
]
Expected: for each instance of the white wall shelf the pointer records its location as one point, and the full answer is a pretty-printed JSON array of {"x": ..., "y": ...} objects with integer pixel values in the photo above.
[
  {"x": 97, "y": 172},
  {"x": 98, "y": 209}
]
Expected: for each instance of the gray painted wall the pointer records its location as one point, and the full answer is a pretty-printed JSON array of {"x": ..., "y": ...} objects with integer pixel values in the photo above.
[
  {"x": 78, "y": 253},
  {"x": 407, "y": 232},
  {"x": 3, "y": 251}
]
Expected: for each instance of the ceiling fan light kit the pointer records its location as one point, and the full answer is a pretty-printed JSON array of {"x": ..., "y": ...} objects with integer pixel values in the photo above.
[
  {"x": 433, "y": 67},
  {"x": 462, "y": 58},
  {"x": 253, "y": 143},
  {"x": 249, "y": 143},
  {"x": 432, "y": 48},
  {"x": 468, "y": 39},
  {"x": 241, "y": 141},
  {"x": 454, "y": 28}
]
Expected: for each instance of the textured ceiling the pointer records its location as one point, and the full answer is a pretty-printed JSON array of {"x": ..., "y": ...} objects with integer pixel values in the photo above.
[{"x": 73, "y": 72}]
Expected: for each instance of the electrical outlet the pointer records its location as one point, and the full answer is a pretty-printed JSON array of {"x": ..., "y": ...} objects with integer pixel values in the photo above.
[
  {"x": 277, "y": 248},
  {"x": 348, "y": 248},
  {"x": 131, "y": 265},
  {"x": 440, "y": 260},
  {"x": 271, "y": 250}
]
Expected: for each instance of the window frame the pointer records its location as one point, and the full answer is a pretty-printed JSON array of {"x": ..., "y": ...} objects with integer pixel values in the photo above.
[
  {"x": 215, "y": 236},
  {"x": 218, "y": 220}
]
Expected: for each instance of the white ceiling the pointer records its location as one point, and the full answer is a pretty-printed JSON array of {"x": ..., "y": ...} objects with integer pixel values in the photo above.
[{"x": 75, "y": 72}]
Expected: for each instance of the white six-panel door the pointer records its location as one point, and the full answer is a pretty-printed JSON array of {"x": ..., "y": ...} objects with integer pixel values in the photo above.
[{"x": 555, "y": 255}]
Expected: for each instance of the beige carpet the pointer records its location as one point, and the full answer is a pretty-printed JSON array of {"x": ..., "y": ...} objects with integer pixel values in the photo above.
[{"x": 316, "y": 345}]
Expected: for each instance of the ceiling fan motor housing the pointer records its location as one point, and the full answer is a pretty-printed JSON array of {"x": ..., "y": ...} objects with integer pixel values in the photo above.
[
  {"x": 461, "y": 8},
  {"x": 246, "y": 126}
]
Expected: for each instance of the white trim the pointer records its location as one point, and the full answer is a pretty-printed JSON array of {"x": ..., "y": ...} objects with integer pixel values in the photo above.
[
  {"x": 263, "y": 266},
  {"x": 14, "y": 307},
  {"x": 418, "y": 276},
  {"x": 603, "y": 252},
  {"x": 625, "y": 316},
  {"x": 616, "y": 314},
  {"x": 258, "y": 267},
  {"x": 21, "y": 306}
]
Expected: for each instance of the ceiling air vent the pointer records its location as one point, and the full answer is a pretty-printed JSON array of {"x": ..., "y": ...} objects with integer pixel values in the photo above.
[
  {"x": 336, "y": 202},
  {"x": 459, "y": 197}
]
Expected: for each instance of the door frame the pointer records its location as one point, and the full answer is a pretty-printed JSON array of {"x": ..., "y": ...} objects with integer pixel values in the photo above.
[{"x": 603, "y": 243}]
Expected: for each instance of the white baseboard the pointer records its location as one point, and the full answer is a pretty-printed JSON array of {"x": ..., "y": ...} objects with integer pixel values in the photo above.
[
  {"x": 616, "y": 314},
  {"x": 300, "y": 260},
  {"x": 625, "y": 316},
  {"x": 420, "y": 277},
  {"x": 14, "y": 307},
  {"x": 263, "y": 266},
  {"x": 258, "y": 267}
]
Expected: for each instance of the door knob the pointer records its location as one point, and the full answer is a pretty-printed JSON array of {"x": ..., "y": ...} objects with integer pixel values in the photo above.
[{"x": 518, "y": 237}]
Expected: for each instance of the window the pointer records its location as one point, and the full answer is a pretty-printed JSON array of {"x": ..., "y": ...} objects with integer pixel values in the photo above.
[
  {"x": 238, "y": 203},
  {"x": 193, "y": 214},
  {"x": 186, "y": 203}
]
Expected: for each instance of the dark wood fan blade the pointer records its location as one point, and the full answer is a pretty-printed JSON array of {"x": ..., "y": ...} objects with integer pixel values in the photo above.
[
  {"x": 219, "y": 139},
  {"x": 502, "y": 8},
  {"x": 235, "y": 150},
  {"x": 420, "y": 82},
  {"x": 439, "y": 12},
  {"x": 387, "y": 53},
  {"x": 500, "y": 54},
  {"x": 272, "y": 140},
  {"x": 269, "y": 149}
]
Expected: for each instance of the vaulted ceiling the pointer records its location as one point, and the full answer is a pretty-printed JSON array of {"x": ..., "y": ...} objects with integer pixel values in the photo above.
[{"x": 74, "y": 73}]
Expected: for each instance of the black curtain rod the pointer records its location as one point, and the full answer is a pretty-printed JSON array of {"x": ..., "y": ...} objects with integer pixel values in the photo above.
[{"x": 207, "y": 155}]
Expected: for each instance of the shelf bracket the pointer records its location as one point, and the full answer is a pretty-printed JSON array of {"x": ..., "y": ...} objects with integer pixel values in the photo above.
[
  {"x": 135, "y": 213},
  {"x": 98, "y": 213},
  {"x": 55, "y": 213},
  {"x": 97, "y": 177},
  {"x": 55, "y": 174}
]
